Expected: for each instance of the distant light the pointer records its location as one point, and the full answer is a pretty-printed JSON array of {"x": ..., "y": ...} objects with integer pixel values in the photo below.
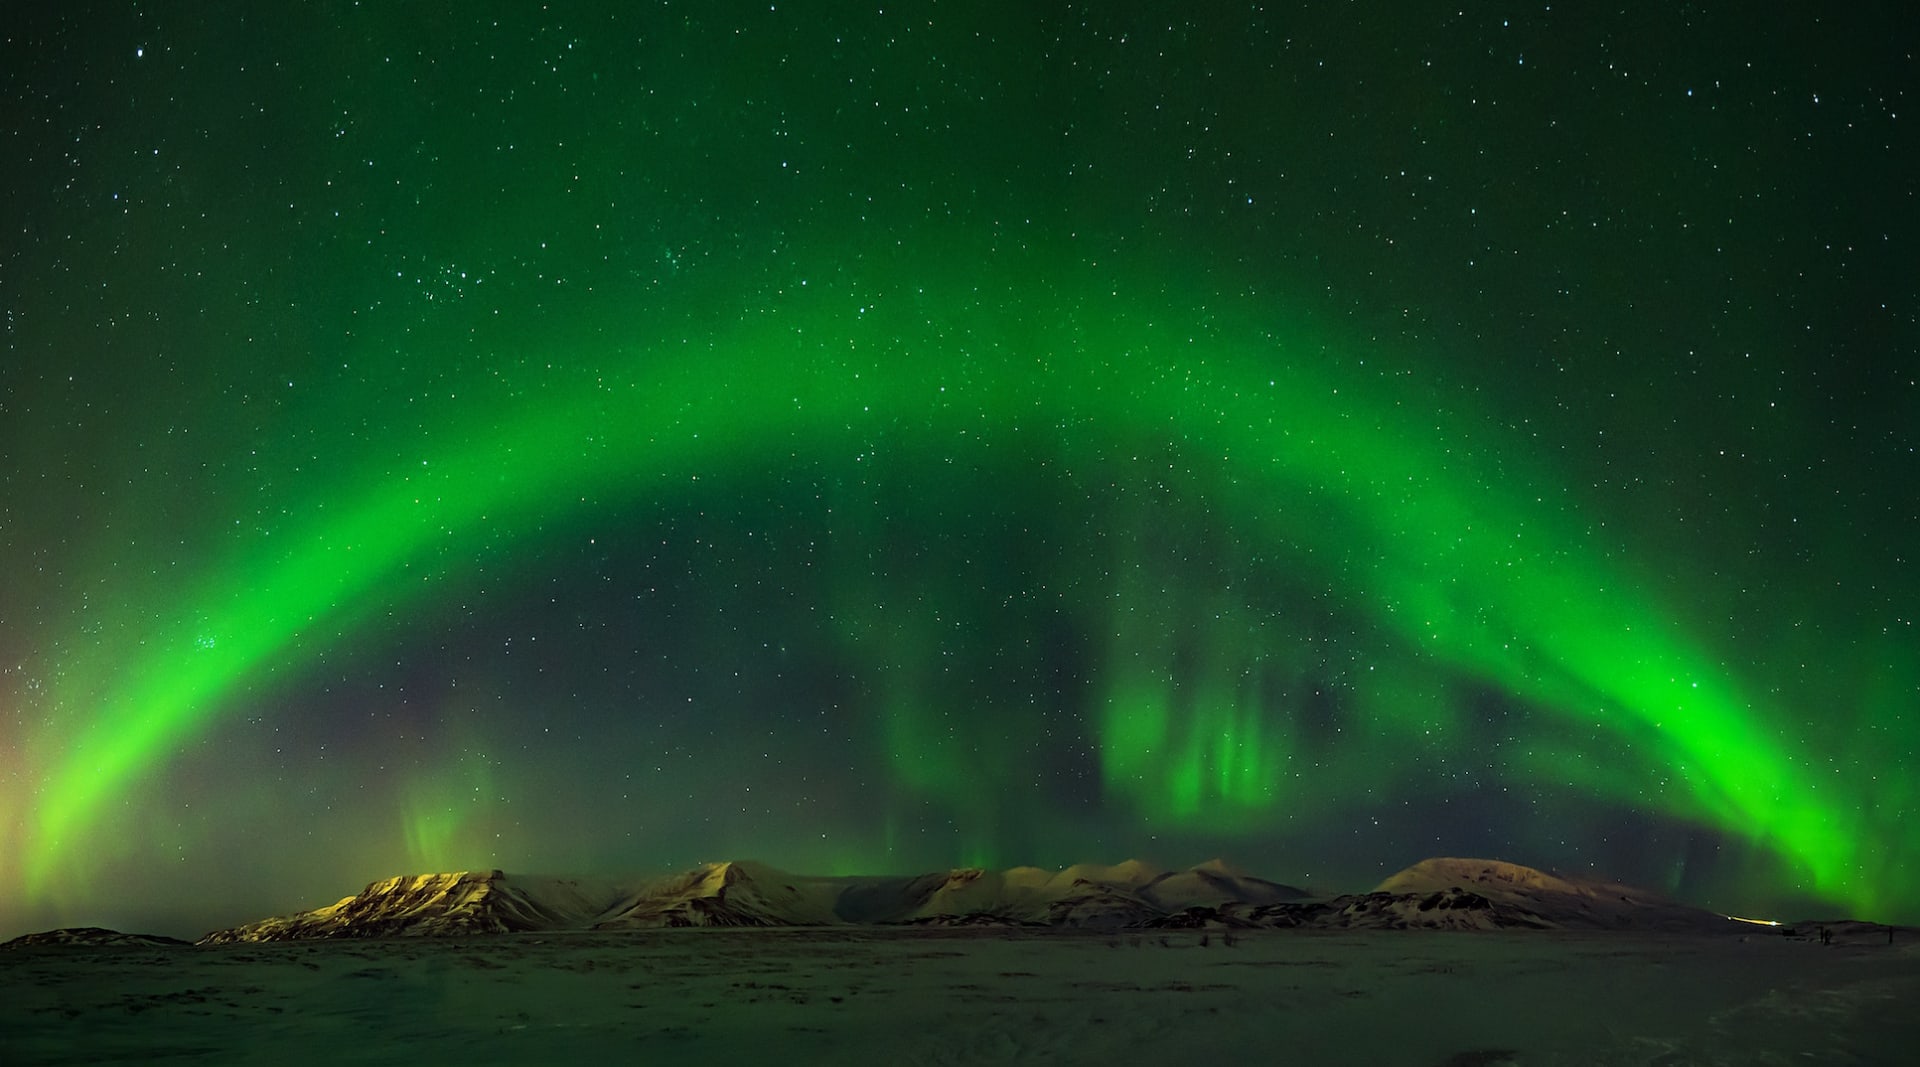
[{"x": 1756, "y": 922}]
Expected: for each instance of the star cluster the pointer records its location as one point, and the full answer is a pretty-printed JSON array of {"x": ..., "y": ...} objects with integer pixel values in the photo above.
[{"x": 613, "y": 436}]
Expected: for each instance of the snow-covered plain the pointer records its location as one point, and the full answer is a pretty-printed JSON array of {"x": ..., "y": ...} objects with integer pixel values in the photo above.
[{"x": 978, "y": 995}]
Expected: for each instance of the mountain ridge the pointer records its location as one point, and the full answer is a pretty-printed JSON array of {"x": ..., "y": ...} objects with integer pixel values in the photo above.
[{"x": 1439, "y": 893}]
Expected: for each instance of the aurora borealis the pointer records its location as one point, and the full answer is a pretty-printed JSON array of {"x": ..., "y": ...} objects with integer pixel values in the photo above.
[{"x": 874, "y": 439}]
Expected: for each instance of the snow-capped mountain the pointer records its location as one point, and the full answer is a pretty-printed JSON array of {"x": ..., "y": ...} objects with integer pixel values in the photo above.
[
  {"x": 1553, "y": 900},
  {"x": 728, "y": 894},
  {"x": 1214, "y": 883},
  {"x": 1433, "y": 894},
  {"x": 432, "y": 905}
]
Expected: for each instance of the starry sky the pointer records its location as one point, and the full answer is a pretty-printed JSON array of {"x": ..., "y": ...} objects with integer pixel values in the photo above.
[{"x": 612, "y": 436}]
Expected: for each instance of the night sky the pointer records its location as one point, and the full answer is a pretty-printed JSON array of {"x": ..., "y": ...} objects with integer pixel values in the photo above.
[{"x": 613, "y": 436}]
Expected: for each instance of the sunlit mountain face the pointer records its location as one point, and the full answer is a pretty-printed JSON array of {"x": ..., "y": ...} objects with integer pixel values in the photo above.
[{"x": 875, "y": 440}]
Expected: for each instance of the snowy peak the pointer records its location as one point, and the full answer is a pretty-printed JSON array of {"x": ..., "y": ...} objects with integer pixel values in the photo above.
[
  {"x": 1214, "y": 883},
  {"x": 427, "y": 905},
  {"x": 1445, "y": 871},
  {"x": 728, "y": 894},
  {"x": 1552, "y": 900},
  {"x": 1132, "y": 873},
  {"x": 1082, "y": 895},
  {"x": 971, "y": 895}
]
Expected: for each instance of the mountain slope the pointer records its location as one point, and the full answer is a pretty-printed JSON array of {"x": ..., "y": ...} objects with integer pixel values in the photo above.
[
  {"x": 435, "y": 905},
  {"x": 1562, "y": 902},
  {"x": 1214, "y": 883},
  {"x": 90, "y": 937},
  {"x": 729, "y": 894}
]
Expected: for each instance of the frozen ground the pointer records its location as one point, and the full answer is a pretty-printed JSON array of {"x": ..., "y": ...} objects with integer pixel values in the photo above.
[{"x": 971, "y": 996}]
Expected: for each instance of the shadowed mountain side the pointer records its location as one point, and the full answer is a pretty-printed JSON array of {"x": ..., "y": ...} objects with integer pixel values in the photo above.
[
  {"x": 90, "y": 937},
  {"x": 1450, "y": 909},
  {"x": 881, "y": 900}
]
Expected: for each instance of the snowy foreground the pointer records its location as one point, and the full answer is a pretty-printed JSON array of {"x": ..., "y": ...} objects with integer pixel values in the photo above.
[{"x": 978, "y": 995}]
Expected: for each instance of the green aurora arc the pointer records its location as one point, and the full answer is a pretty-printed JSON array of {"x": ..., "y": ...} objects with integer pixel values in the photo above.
[{"x": 1455, "y": 549}]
